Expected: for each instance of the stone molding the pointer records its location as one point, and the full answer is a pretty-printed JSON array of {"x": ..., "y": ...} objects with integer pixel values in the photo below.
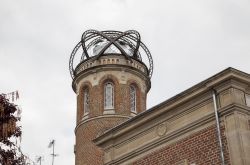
[
  {"x": 167, "y": 119},
  {"x": 169, "y": 138},
  {"x": 226, "y": 79},
  {"x": 176, "y": 135},
  {"x": 123, "y": 65},
  {"x": 99, "y": 117},
  {"x": 121, "y": 71},
  {"x": 238, "y": 134},
  {"x": 111, "y": 60}
]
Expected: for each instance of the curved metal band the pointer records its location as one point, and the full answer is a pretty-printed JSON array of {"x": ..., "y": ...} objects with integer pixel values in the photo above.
[
  {"x": 130, "y": 37},
  {"x": 92, "y": 33}
]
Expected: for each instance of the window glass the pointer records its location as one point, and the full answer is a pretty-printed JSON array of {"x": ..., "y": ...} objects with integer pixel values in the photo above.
[
  {"x": 86, "y": 101},
  {"x": 108, "y": 96},
  {"x": 132, "y": 98}
]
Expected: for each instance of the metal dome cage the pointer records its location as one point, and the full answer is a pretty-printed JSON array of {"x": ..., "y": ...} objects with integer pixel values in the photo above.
[{"x": 95, "y": 44}]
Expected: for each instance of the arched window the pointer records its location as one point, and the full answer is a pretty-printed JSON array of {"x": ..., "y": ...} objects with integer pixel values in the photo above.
[
  {"x": 109, "y": 95},
  {"x": 86, "y": 100},
  {"x": 132, "y": 98}
]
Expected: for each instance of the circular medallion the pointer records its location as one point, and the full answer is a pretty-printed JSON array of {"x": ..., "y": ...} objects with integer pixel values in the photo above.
[{"x": 161, "y": 129}]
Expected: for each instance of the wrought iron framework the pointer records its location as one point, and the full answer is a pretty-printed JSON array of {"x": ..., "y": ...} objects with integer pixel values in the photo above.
[{"x": 131, "y": 38}]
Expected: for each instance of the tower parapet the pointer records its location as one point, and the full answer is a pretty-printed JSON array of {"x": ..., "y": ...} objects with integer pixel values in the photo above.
[{"x": 111, "y": 80}]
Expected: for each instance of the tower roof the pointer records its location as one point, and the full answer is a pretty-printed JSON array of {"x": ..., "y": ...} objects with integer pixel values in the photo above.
[{"x": 95, "y": 44}]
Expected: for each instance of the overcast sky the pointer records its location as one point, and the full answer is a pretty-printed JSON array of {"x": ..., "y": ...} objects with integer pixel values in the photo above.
[{"x": 190, "y": 40}]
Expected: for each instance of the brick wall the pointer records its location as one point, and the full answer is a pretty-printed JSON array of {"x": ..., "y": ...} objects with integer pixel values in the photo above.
[
  {"x": 87, "y": 153},
  {"x": 200, "y": 148},
  {"x": 121, "y": 98}
]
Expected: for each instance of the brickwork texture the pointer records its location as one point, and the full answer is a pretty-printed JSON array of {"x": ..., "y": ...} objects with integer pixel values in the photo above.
[
  {"x": 200, "y": 148},
  {"x": 87, "y": 153},
  {"x": 93, "y": 124}
]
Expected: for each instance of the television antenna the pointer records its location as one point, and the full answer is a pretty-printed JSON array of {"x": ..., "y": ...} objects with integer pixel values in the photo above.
[
  {"x": 39, "y": 160},
  {"x": 52, "y": 144}
]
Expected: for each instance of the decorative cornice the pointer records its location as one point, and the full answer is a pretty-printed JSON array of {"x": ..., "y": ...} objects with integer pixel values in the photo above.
[
  {"x": 196, "y": 125},
  {"x": 113, "y": 67},
  {"x": 187, "y": 95},
  {"x": 168, "y": 137}
]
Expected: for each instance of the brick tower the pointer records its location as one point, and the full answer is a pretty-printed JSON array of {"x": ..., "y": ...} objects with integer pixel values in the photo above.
[{"x": 111, "y": 81}]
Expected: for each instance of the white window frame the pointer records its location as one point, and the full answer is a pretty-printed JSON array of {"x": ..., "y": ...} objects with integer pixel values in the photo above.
[
  {"x": 132, "y": 97},
  {"x": 86, "y": 101},
  {"x": 108, "y": 95}
]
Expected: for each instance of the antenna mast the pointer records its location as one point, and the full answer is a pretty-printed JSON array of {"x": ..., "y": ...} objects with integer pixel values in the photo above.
[
  {"x": 52, "y": 144},
  {"x": 39, "y": 160}
]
